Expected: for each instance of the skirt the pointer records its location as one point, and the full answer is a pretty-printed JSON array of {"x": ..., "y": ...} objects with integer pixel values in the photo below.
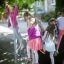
[
  {"x": 50, "y": 46},
  {"x": 35, "y": 44}
]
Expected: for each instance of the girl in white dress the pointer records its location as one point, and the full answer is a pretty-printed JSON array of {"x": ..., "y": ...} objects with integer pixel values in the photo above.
[{"x": 49, "y": 39}]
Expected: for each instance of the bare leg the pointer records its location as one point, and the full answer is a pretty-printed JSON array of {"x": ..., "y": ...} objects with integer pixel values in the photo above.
[
  {"x": 28, "y": 51},
  {"x": 36, "y": 56},
  {"x": 52, "y": 57}
]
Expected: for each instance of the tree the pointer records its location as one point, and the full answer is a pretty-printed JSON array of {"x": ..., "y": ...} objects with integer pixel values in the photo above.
[
  {"x": 25, "y": 5},
  {"x": 59, "y": 5},
  {"x": 2, "y": 5},
  {"x": 20, "y": 3}
]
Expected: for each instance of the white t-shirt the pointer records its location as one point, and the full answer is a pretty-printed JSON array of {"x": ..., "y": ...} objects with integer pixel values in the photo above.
[{"x": 61, "y": 22}]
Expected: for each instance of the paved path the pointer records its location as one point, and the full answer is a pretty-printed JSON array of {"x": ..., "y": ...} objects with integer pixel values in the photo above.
[
  {"x": 7, "y": 47},
  {"x": 6, "y": 44}
]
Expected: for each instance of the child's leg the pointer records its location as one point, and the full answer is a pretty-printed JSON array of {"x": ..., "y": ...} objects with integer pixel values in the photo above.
[
  {"x": 18, "y": 37},
  {"x": 28, "y": 52},
  {"x": 36, "y": 56},
  {"x": 52, "y": 57},
  {"x": 33, "y": 57}
]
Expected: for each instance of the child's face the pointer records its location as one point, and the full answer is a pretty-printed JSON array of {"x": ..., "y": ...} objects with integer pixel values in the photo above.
[{"x": 32, "y": 21}]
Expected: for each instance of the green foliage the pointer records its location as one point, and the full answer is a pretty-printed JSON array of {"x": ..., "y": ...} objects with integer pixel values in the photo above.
[
  {"x": 47, "y": 16},
  {"x": 25, "y": 5},
  {"x": 2, "y": 6},
  {"x": 21, "y": 4},
  {"x": 59, "y": 5}
]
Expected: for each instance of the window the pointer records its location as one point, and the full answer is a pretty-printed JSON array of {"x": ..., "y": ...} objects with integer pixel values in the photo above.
[{"x": 52, "y": 2}]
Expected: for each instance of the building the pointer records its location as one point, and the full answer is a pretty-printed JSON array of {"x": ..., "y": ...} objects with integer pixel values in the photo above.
[
  {"x": 44, "y": 6},
  {"x": 49, "y": 5}
]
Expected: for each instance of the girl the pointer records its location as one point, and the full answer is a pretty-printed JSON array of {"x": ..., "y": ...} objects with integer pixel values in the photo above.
[
  {"x": 27, "y": 17},
  {"x": 12, "y": 14},
  {"x": 35, "y": 41},
  {"x": 49, "y": 38},
  {"x": 53, "y": 22},
  {"x": 60, "y": 21}
]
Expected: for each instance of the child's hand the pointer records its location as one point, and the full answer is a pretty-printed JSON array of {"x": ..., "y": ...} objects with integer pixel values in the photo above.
[
  {"x": 56, "y": 53},
  {"x": 43, "y": 51}
]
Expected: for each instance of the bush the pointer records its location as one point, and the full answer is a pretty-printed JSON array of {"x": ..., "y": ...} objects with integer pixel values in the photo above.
[{"x": 47, "y": 16}]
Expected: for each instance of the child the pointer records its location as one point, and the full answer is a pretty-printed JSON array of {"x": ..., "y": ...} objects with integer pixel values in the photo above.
[
  {"x": 27, "y": 17},
  {"x": 53, "y": 22},
  {"x": 12, "y": 14},
  {"x": 35, "y": 40},
  {"x": 49, "y": 38},
  {"x": 60, "y": 21}
]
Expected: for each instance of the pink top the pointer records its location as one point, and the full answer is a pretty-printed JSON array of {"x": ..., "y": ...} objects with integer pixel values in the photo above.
[
  {"x": 34, "y": 32},
  {"x": 13, "y": 15}
]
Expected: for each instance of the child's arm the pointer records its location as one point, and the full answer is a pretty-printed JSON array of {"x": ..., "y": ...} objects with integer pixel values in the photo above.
[
  {"x": 55, "y": 40},
  {"x": 44, "y": 36},
  {"x": 15, "y": 10},
  {"x": 8, "y": 12},
  {"x": 7, "y": 9}
]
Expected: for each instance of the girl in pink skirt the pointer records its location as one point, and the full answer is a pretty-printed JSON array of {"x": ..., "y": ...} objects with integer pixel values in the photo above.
[{"x": 35, "y": 41}]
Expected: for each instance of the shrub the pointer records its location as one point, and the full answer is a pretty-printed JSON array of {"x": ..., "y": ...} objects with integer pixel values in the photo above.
[{"x": 47, "y": 16}]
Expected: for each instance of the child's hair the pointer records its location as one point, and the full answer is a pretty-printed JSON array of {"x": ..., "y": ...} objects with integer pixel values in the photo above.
[
  {"x": 51, "y": 20},
  {"x": 27, "y": 13},
  {"x": 50, "y": 29}
]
